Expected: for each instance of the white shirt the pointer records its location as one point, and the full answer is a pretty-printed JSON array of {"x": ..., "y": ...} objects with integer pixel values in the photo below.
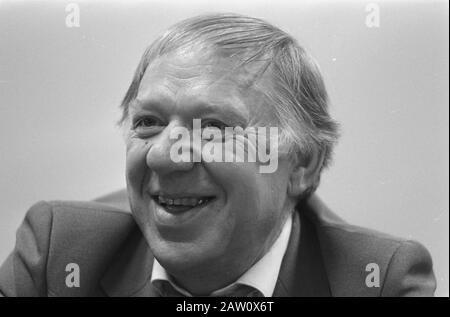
[{"x": 262, "y": 275}]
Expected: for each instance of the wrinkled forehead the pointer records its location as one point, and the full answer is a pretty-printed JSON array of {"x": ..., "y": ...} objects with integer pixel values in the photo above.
[
  {"x": 210, "y": 74},
  {"x": 216, "y": 65}
]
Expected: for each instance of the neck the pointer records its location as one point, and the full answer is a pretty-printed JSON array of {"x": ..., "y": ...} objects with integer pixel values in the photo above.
[
  {"x": 211, "y": 277},
  {"x": 205, "y": 279}
]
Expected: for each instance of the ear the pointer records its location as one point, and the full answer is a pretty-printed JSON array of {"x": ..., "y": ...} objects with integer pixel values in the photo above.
[{"x": 306, "y": 174}]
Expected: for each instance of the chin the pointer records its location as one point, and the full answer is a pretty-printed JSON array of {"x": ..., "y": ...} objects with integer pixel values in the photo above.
[
  {"x": 199, "y": 242},
  {"x": 187, "y": 257}
]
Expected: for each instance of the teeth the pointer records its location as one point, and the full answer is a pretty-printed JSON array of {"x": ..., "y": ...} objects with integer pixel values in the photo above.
[
  {"x": 189, "y": 201},
  {"x": 185, "y": 201},
  {"x": 161, "y": 200}
]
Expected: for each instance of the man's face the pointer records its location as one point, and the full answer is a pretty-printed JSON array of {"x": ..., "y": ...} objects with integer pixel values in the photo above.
[{"x": 201, "y": 217}]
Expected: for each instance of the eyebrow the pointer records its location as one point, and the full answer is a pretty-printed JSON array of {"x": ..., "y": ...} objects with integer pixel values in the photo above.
[{"x": 201, "y": 108}]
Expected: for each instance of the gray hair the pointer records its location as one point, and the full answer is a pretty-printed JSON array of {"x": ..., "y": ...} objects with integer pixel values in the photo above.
[{"x": 298, "y": 94}]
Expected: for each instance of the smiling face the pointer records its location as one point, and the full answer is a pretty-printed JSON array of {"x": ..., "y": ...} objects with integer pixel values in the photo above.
[{"x": 203, "y": 221}]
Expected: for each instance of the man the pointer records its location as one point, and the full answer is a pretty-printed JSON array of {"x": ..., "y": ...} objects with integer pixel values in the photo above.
[{"x": 208, "y": 225}]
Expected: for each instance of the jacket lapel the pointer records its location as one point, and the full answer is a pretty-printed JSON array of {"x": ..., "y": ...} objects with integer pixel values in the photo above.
[
  {"x": 130, "y": 273},
  {"x": 302, "y": 272}
]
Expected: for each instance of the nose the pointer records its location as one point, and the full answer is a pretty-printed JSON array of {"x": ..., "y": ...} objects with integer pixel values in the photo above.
[{"x": 162, "y": 156}]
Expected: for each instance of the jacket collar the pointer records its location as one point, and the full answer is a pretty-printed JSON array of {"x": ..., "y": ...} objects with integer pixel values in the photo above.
[
  {"x": 302, "y": 272},
  {"x": 130, "y": 272}
]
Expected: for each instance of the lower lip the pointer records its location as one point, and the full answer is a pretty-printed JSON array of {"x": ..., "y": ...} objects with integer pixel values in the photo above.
[{"x": 164, "y": 217}]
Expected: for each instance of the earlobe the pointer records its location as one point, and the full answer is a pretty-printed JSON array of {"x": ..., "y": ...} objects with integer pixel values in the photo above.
[
  {"x": 305, "y": 176},
  {"x": 296, "y": 183}
]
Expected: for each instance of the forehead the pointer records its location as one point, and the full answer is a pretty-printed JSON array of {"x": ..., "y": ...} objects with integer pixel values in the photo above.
[
  {"x": 213, "y": 68},
  {"x": 203, "y": 78}
]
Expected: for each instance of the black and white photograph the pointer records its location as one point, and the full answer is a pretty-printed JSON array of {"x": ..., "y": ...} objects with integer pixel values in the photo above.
[{"x": 230, "y": 148}]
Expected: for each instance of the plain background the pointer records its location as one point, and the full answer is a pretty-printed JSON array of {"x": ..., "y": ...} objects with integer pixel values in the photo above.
[{"x": 60, "y": 89}]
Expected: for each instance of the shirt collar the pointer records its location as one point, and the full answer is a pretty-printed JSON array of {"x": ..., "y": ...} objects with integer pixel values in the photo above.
[{"x": 262, "y": 275}]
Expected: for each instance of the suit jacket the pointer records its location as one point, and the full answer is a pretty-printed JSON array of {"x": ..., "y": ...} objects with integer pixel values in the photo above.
[{"x": 325, "y": 255}]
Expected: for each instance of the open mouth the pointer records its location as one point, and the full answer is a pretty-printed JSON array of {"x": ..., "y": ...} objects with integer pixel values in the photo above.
[{"x": 177, "y": 205}]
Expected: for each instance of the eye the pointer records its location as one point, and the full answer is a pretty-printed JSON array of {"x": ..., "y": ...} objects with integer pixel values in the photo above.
[
  {"x": 147, "y": 125},
  {"x": 215, "y": 124},
  {"x": 147, "y": 122}
]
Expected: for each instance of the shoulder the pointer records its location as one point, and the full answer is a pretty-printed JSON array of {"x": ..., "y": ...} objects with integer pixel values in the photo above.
[
  {"x": 77, "y": 222},
  {"x": 368, "y": 262},
  {"x": 78, "y": 215},
  {"x": 57, "y": 233}
]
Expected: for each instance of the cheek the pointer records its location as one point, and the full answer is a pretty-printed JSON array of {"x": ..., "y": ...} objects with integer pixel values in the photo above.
[
  {"x": 245, "y": 189},
  {"x": 136, "y": 165},
  {"x": 249, "y": 194},
  {"x": 234, "y": 177}
]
